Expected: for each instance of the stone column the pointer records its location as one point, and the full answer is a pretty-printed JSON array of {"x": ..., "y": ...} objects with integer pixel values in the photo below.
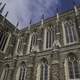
[
  {"x": 66, "y": 70},
  {"x": 45, "y": 34},
  {"x": 64, "y": 34},
  {"x": 76, "y": 10},
  {"x": 18, "y": 74},
  {"x": 48, "y": 72},
  {"x": 38, "y": 72},
  {"x": 2, "y": 75},
  {"x": 29, "y": 44}
]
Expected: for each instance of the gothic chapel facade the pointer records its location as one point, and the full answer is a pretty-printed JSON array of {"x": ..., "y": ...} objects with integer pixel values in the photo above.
[{"x": 48, "y": 50}]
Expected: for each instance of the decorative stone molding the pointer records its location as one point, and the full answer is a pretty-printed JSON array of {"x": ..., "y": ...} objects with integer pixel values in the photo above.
[
  {"x": 55, "y": 62},
  {"x": 30, "y": 65}
]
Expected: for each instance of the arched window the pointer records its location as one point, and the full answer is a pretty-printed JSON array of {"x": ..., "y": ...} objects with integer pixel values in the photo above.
[
  {"x": 70, "y": 32},
  {"x": 5, "y": 72},
  {"x": 33, "y": 40},
  {"x": 73, "y": 68},
  {"x": 50, "y": 37},
  {"x": 21, "y": 73},
  {"x": 42, "y": 71},
  {"x": 3, "y": 39}
]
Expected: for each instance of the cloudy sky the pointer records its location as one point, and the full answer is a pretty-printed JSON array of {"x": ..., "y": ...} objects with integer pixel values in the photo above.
[{"x": 26, "y": 10}]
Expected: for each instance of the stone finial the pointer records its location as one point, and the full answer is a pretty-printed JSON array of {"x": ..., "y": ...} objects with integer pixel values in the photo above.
[{"x": 1, "y": 10}]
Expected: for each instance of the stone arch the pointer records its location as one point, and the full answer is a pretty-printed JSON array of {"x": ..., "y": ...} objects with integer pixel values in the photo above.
[
  {"x": 21, "y": 71},
  {"x": 72, "y": 66},
  {"x": 42, "y": 69},
  {"x": 44, "y": 60},
  {"x": 23, "y": 63}
]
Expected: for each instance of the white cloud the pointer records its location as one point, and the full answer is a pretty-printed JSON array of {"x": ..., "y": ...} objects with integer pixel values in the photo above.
[{"x": 23, "y": 10}]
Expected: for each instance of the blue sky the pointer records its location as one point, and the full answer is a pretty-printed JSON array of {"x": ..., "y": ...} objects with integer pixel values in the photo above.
[{"x": 25, "y": 10}]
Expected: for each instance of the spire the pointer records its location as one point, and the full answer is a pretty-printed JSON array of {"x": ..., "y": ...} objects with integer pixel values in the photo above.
[
  {"x": 1, "y": 10},
  {"x": 42, "y": 19},
  {"x": 75, "y": 8},
  {"x": 5, "y": 16},
  {"x": 17, "y": 26},
  {"x": 30, "y": 24},
  {"x": 57, "y": 14},
  {"x": 30, "y": 21}
]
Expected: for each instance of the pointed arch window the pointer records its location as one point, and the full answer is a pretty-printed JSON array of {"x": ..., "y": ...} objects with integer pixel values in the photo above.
[
  {"x": 33, "y": 40},
  {"x": 3, "y": 40},
  {"x": 70, "y": 32},
  {"x": 73, "y": 68},
  {"x": 50, "y": 37},
  {"x": 5, "y": 72},
  {"x": 43, "y": 71},
  {"x": 21, "y": 73}
]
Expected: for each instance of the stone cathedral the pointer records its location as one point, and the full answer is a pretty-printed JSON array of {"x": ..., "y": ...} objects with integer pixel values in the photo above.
[{"x": 47, "y": 50}]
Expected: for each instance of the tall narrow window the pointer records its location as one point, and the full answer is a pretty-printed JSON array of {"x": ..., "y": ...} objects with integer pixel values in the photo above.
[
  {"x": 43, "y": 71},
  {"x": 3, "y": 40},
  {"x": 33, "y": 40},
  {"x": 4, "y": 75},
  {"x": 22, "y": 75},
  {"x": 73, "y": 68},
  {"x": 70, "y": 32},
  {"x": 49, "y": 38}
]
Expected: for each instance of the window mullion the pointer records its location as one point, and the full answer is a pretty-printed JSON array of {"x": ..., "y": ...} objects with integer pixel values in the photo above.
[
  {"x": 22, "y": 73},
  {"x": 23, "y": 76},
  {"x": 43, "y": 72},
  {"x": 73, "y": 69},
  {"x": 68, "y": 30},
  {"x": 20, "y": 76}
]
